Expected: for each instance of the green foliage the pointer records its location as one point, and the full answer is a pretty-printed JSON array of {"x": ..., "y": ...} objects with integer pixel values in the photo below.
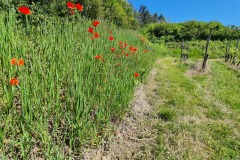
[
  {"x": 93, "y": 9},
  {"x": 192, "y": 30},
  {"x": 161, "y": 18},
  {"x": 120, "y": 12},
  {"x": 217, "y": 48},
  {"x": 144, "y": 17}
]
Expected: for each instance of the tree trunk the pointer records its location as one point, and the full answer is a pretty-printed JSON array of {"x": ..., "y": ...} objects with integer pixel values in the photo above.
[
  {"x": 206, "y": 51},
  {"x": 205, "y": 61},
  {"x": 226, "y": 57}
]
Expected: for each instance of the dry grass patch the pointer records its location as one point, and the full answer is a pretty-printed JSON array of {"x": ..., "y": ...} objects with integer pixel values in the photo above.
[{"x": 196, "y": 68}]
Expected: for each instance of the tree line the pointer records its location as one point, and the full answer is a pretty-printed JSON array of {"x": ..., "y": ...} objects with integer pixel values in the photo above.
[
  {"x": 144, "y": 17},
  {"x": 119, "y": 12},
  {"x": 122, "y": 14},
  {"x": 192, "y": 30}
]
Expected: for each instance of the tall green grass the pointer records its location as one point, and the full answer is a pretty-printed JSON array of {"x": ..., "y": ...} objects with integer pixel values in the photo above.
[{"x": 65, "y": 97}]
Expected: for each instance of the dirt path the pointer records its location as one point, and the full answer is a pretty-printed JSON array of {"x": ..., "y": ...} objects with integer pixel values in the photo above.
[{"x": 135, "y": 137}]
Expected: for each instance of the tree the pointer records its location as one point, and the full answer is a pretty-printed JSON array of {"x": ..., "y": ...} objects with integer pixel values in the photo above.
[
  {"x": 155, "y": 18},
  {"x": 93, "y": 9},
  {"x": 144, "y": 15},
  {"x": 161, "y": 18},
  {"x": 119, "y": 12}
]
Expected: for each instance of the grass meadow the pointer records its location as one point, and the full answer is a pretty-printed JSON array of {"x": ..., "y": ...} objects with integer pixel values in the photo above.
[
  {"x": 198, "y": 112},
  {"x": 71, "y": 86},
  {"x": 65, "y": 82}
]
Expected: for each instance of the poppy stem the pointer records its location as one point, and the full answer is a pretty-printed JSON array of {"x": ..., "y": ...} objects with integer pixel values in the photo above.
[{"x": 27, "y": 26}]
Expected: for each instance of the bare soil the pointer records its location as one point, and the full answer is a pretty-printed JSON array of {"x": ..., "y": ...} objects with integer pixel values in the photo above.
[{"x": 196, "y": 69}]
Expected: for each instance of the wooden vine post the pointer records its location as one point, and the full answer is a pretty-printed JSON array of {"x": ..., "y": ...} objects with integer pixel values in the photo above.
[
  {"x": 184, "y": 51},
  {"x": 228, "y": 46},
  {"x": 235, "y": 55},
  {"x": 206, "y": 55}
]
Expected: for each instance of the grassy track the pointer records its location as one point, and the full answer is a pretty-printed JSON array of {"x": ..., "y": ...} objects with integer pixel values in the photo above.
[{"x": 199, "y": 112}]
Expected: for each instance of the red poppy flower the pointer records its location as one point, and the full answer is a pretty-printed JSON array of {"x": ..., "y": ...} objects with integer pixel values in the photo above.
[
  {"x": 113, "y": 49},
  {"x": 14, "y": 81},
  {"x": 126, "y": 54},
  {"x": 125, "y": 44},
  {"x": 90, "y": 30},
  {"x": 14, "y": 62},
  {"x": 135, "y": 49},
  {"x": 24, "y": 10},
  {"x": 111, "y": 38},
  {"x": 98, "y": 56},
  {"x": 70, "y": 5},
  {"x": 131, "y": 48},
  {"x": 79, "y": 7},
  {"x": 20, "y": 62},
  {"x": 95, "y": 23},
  {"x": 96, "y": 35},
  {"x": 71, "y": 12},
  {"x": 136, "y": 75}
]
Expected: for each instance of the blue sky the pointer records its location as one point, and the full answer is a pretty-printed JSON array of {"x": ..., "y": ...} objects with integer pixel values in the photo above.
[{"x": 224, "y": 11}]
